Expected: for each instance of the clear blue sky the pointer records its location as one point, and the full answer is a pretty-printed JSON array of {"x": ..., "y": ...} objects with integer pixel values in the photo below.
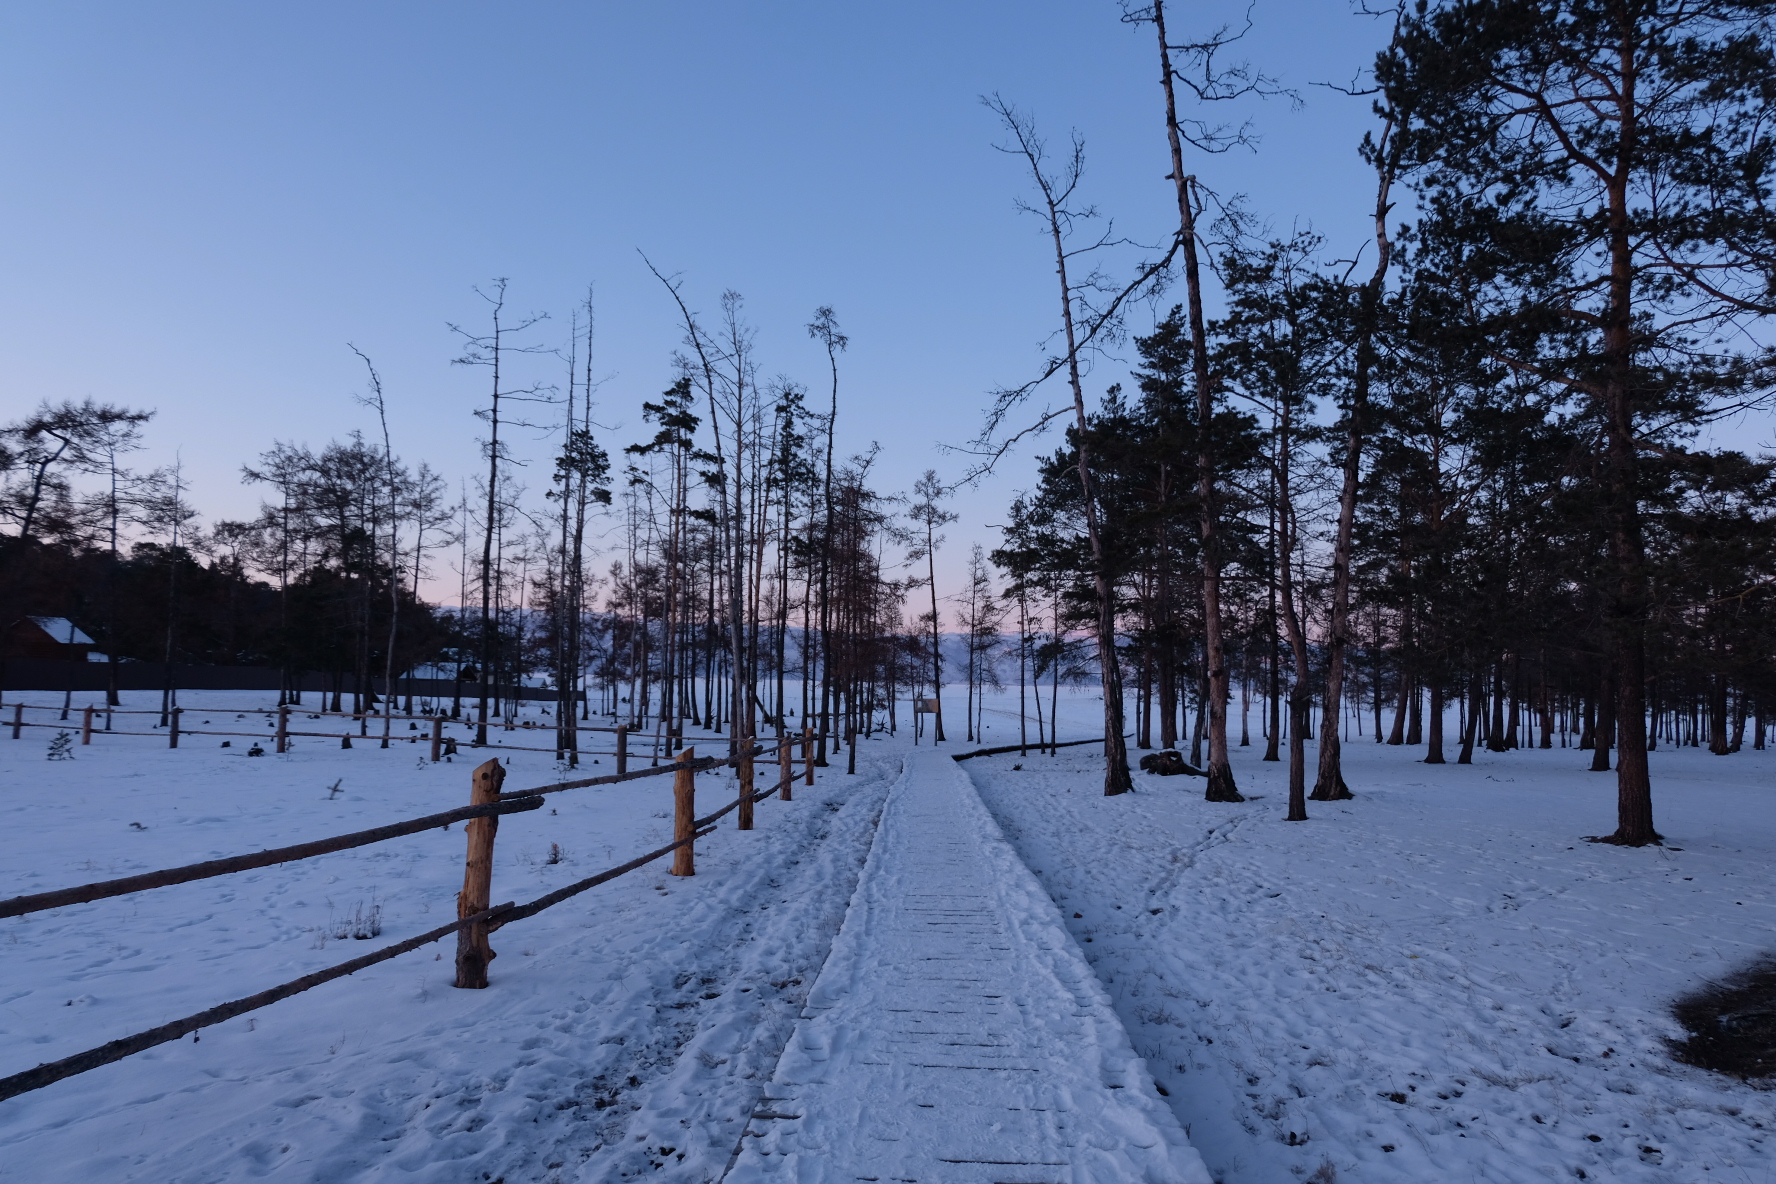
[{"x": 203, "y": 203}]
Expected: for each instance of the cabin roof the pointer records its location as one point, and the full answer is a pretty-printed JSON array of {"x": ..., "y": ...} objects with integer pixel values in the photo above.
[{"x": 62, "y": 630}]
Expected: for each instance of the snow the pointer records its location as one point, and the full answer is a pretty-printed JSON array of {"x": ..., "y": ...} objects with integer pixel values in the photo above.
[
  {"x": 1441, "y": 966},
  {"x": 956, "y": 1032},
  {"x": 1437, "y": 981},
  {"x": 643, "y": 1016}
]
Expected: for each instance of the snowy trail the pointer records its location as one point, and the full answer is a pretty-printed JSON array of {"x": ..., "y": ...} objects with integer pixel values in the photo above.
[{"x": 956, "y": 1033}]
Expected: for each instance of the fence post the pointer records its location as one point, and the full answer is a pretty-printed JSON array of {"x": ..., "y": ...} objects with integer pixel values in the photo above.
[
  {"x": 622, "y": 748},
  {"x": 808, "y": 753},
  {"x": 283, "y": 728},
  {"x": 744, "y": 770},
  {"x": 86, "y": 725},
  {"x": 472, "y": 950},
  {"x": 785, "y": 774},
  {"x": 173, "y": 731},
  {"x": 437, "y": 737},
  {"x": 18, "y": 719},
  {"x": 684, "y": 814}
]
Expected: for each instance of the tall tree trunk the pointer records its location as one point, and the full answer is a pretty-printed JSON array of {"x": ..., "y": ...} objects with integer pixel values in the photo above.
[
  {"x": 1605, "y": 735},
  {"x": 1292, "y": 621},
  {"x": 1116, "y": 770},
  {"x": 1497, "y": 738},
  {"x": 1717, "y": 714},
  {"x": 1434, "y": 745},
  {"x": 1473, "y": 722},
  {"x": 1273, "y": 687},
  {"x": 484, "y": 668},
  {"x": 937, "y": 736},
  {"x": 1627, "y": 607},
  {"x": 1221, "y": 787},
  {"x": 1330, "y": 785}
]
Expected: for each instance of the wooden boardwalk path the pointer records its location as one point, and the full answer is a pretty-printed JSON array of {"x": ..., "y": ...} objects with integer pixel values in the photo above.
[{"x": 956, "y": 1033}]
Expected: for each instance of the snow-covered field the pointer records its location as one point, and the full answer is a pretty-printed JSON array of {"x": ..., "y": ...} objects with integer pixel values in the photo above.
[
  {"x": 1437, "y": 981},
  {"x": 628, "y": 1028}
]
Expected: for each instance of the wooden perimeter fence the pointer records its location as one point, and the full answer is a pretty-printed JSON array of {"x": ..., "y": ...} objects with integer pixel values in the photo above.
[
  {"x": 279, "y": 719},
  {"x": 477, "y": 918}
]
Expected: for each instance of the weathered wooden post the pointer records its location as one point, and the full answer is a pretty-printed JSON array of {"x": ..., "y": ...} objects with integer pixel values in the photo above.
[
  {"x": 437, "y": 737},
  {"x": 622, "y": 748},
  {"x": 173, "y": 733},
  {"x": 283, "y": 727},
  {"x": 473, "y": 953},
  {"x": 18, "y": 719},
  {"x": 808, "y": 753},
  {"x": 744, "y": 768},
  {"x": 86, "y": 725},
  {"x": 785, "y": 772},
  {"x": 684, "y": 814}
]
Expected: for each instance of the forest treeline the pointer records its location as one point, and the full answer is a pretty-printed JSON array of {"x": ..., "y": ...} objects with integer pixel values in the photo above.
[
  {"x": 692, "y": 578},
  {"x": 1458, "y": 463},
  {"x": 1448, "y": 463}
]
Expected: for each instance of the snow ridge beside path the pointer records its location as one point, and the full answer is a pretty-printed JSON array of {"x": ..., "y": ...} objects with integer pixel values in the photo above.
[{"x": 956, "y": 1033}]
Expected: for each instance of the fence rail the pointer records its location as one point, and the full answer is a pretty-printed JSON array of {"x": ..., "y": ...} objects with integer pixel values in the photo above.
[
  {"x": 50, "y": 674},
  {"x": 471, "y": 930},
  {"x": 279, "y": 718},
  {"x": 39, "y": 902}
]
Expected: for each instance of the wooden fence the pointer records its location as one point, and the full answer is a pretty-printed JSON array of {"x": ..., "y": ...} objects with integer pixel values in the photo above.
[
  {"x": 279, "y": 721},
  {"x": 477, "y": 918},
  {"x": 49, "y": 674}
]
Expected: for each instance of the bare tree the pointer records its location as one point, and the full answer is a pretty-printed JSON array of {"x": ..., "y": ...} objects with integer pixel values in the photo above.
[
  {"x": 929, "y": 514},
  {"x": 1060, "y": 216},
  {"x": 1382, "y": 150},
  {"x": 489, "y": 350},
  {"x": 392, "y": 489},
  {"x": 1214, "y": 84},
  {"x": 824, "y": 328}
]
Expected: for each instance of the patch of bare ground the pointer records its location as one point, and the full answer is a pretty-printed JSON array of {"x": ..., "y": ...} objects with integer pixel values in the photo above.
[{"x": 1732, "y": 1024}]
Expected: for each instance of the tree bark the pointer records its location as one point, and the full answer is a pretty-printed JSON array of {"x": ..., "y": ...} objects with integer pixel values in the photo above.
[
  {"x": 1434, "y": 745},
  {"x": 1221, "y": 787},
  {"x": 1330, "y": 785}
]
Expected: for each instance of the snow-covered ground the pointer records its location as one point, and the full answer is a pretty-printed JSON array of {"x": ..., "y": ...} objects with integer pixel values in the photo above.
[
  {"x": 1437, "y": 981},
  {"x": 625, "y": 1030}
]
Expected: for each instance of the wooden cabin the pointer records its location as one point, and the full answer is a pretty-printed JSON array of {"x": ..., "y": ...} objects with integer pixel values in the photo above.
[{"x": 56, "y": 639}]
